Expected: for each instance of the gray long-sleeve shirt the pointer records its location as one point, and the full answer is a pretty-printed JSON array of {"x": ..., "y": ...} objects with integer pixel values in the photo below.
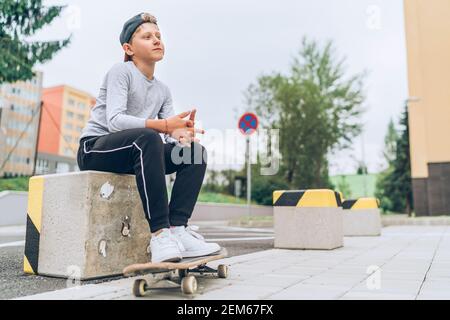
[{"x": 126, "y": 100}]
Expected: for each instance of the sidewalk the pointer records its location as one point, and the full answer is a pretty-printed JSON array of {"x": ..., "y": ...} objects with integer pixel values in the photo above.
[{"x": 414, "y": 262}]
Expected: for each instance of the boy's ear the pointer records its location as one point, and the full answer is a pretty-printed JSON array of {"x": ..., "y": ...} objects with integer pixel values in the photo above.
[{"x": 128, "y": 49}]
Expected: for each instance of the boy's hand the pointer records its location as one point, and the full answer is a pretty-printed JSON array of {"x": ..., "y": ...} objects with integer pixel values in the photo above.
[
  {"x": 187, "y": 135},
  {"x": 178, "y": 122},
  {"x": 192, "y": 117}
]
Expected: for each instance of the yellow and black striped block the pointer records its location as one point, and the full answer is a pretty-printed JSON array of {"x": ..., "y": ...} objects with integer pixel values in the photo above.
[
  {"x": 306, "y": 198},
  {"x": 361, "y": 203},
  {"x": 34, "y": 223}
]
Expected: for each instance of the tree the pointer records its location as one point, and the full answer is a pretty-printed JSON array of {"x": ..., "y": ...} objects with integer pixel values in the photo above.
[
  {"x": 389, "y": 154},
  {"x": 390, "y": 144},
  {"x": 264, "y": 186},
  {"x": 212, "y": 181},
  {"x": 315, "y": 107},
  {"x": 383, "y": 180},
  {"x": 362, "y": 168},
  {"x": 394, "y": 185},
  {"x": 344, "y": 187},
  {"x": 401, "y": 177},
  {"x": 20, "y": 19}
]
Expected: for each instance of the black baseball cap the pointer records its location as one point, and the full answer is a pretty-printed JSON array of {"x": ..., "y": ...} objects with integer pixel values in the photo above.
[{"x": 131, "y": 25}]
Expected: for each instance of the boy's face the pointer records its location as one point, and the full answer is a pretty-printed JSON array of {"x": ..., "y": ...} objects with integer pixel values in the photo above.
[{"x": 146, "y": 44}]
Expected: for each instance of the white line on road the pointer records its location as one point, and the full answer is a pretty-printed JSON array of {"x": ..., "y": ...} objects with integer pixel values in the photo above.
[
  {"x": 12, "y": 230},
  {"x": 241, "y": 239},
  {"x": 12, "y": 244},
  {"x": 257, "y": 230},
  {"x": 236, "y": 234}
]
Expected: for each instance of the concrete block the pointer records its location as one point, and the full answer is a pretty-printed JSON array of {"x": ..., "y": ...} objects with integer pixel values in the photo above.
[
  {"x": 84, "y": 225},
  {"x": 308, "y": 219},
  {"x": 362, "y": 217}
]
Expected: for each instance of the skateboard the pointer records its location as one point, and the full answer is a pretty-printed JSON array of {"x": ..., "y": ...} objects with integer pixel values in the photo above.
[{"x": 166, "y": 275}]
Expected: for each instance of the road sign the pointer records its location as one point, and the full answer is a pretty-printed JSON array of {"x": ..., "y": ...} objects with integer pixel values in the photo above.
[{"x": 248, "y": 123}]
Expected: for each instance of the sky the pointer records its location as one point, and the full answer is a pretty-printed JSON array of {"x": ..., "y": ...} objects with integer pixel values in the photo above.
[{"x": 216, "y": 49}]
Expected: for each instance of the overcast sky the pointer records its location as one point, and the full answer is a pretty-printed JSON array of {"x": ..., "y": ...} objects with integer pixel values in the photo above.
[{"x": 215, "y": 49}]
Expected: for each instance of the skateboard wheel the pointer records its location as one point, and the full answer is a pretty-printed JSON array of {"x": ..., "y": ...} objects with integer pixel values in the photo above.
[
  {"x": 182, "y": 273},
  {"x": 189, "y": 285},
  {"x": 222, "y": 271},
  {"x": 139, "y": 288}
]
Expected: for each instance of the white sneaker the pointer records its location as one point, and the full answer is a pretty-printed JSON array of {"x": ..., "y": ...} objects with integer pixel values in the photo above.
[
  {"x": 165, "y": 247},
  {"x": 194, "y": 244}
]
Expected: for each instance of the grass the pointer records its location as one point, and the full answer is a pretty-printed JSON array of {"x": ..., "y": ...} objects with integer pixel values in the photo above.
[
  {"x": 214, "y": 197},
  {"x": 220, "y": 198},
  {"x": 14, "y": 184},
  {"x": 253, "y": 221},
  {"x": 256, "y": 218},
  {"x": 21, "y": 184}
]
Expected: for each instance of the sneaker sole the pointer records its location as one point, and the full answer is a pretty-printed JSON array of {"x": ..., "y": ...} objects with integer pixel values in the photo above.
[
  {"x": 172, "y": 259},
  {"x": 193, "y": 254}
]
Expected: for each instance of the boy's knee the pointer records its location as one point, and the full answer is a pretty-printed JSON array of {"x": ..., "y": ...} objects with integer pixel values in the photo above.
[{"x": 149, "y": 135}]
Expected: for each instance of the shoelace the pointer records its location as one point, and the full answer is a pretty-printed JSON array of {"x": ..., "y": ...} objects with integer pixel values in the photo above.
[{"x": 191, "y": 230}]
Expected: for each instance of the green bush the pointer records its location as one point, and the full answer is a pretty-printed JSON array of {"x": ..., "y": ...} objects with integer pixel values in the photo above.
[
  {"x": 264, "y": 186},
  {"x": 14, "y": 184}
]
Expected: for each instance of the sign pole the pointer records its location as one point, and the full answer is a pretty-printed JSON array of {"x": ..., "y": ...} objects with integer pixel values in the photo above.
[
  {"x": 248, "y": 123},
  {"x": 249, "y": 175}
]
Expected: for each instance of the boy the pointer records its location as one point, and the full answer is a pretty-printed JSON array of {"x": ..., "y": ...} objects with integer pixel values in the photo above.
[{"x": 123, "y": 136}]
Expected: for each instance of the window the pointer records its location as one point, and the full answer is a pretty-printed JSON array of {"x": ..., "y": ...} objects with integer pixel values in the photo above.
[
  {"x": 71, "y": 102},
  {"x": 42, "y": 166},
  {"x": 62, "y": 167},
  {"x": 69, "y": 114},
  {"x": 68, "y": 126},
  {"x": 81, "y": 117},
  {"x": 68, "y": 152}
]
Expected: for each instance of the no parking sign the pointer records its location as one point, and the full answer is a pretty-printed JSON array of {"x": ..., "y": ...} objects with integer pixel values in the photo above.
[{"x": 248, "y": 123}]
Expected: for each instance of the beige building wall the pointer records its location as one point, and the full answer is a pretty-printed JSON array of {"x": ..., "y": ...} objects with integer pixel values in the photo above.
[
  {"x": 18, "y": 124},
  {"x": 427, "y": 24}
]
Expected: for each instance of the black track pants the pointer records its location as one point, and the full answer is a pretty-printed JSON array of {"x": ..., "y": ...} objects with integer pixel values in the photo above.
[{"x": 143, "y": 153}]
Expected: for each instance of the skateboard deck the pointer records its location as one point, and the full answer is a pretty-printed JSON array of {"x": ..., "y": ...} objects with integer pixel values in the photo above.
[
  {"x": 185, "y": 268},
  {"x": 183, "y": 264}
]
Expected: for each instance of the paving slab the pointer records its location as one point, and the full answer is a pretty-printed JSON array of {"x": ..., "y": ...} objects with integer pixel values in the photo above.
[{"x": 405, "y": 262}]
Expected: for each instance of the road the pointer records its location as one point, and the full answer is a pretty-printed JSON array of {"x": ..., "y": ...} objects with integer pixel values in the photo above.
[{"x": 13, "y": 283}]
